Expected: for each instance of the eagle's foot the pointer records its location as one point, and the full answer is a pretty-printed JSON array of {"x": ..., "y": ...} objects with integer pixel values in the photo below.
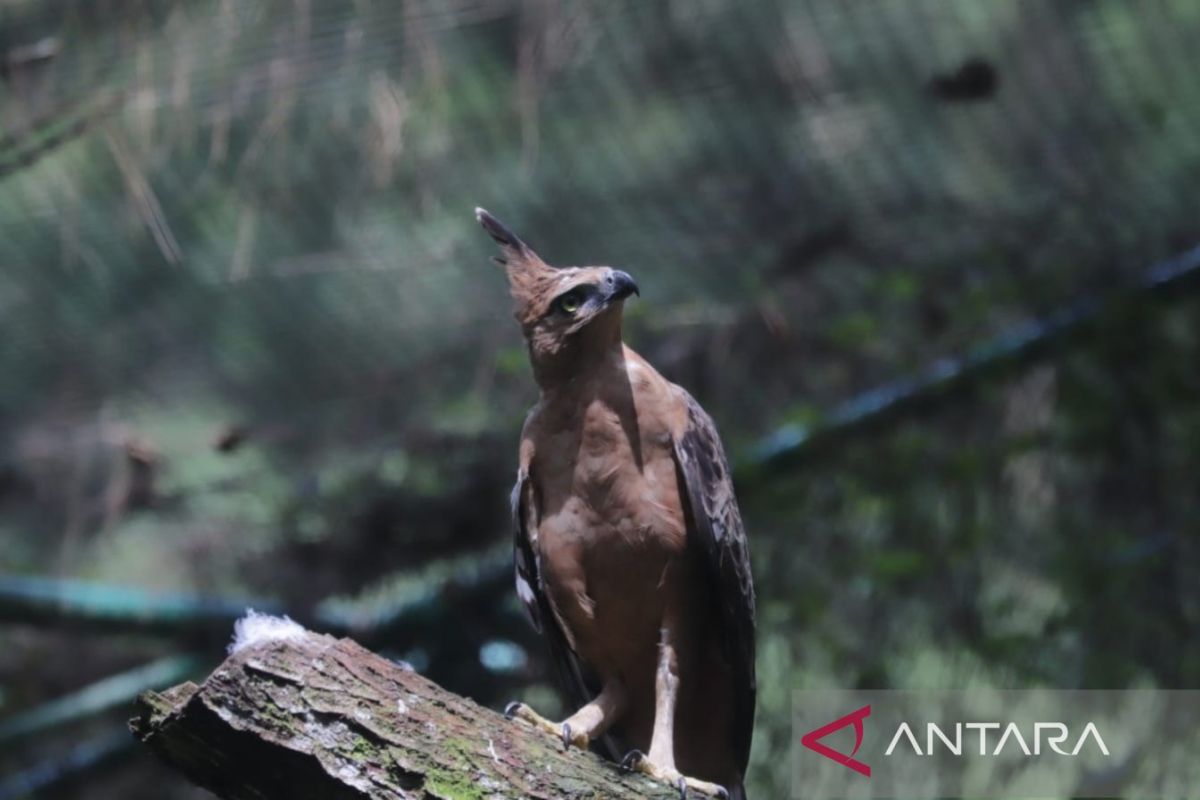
[
  {"x": 636, "y": 761},
  {"x": 562, "y": 731}
]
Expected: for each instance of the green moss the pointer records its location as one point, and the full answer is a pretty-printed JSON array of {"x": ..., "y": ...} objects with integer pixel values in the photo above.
[
  {"x": 449, "y": 785},
  {"x": 362, "y": 750},
  {"x": 452, "y": 778}
]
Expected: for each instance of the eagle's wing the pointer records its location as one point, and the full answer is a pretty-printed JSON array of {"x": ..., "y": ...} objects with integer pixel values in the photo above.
[
  {"x": 716, "y": 525},
  {"x": 574, "y": 678}
]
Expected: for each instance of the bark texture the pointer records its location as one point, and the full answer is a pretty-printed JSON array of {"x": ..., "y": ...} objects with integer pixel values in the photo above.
[{"x": 318, "y": 717}]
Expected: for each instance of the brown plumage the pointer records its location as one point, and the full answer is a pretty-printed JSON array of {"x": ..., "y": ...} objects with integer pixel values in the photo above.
[{"x": 630, "y": 553}]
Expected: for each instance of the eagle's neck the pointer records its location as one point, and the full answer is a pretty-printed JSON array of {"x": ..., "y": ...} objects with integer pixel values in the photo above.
[{"x": 589, "y": 354}]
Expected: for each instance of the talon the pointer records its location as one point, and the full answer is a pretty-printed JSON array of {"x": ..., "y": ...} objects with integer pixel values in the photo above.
[
  {"x": 566, "y": 736},
  {"x": 722, "y": 793},
  {"x": 681, "y": 785},
  {"x": 631, "y": 760},
  {"x": 512, "y": 708}
]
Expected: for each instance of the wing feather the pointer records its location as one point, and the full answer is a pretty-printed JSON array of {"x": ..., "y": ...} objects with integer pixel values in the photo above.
[{"x": 717, "y": 526}]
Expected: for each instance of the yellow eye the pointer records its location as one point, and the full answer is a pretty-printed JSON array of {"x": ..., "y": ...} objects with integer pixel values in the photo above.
[{"x": 569, "y": 302}]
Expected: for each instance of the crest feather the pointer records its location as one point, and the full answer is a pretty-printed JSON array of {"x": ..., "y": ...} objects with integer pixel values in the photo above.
[{"x": 530, "y": 280}]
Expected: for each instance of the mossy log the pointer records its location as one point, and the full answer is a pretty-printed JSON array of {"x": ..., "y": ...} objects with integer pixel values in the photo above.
[{"x": 311, "y": 716}]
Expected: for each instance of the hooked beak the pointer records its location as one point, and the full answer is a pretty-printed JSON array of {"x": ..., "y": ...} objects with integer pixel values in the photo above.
[{"x": 619, "y": 285}]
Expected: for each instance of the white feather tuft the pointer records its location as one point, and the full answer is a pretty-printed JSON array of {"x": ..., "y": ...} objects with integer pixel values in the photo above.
[{"x": 255, "y": 627}]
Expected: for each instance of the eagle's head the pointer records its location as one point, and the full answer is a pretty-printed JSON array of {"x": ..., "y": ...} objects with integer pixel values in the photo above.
[{"x": 565, "y": 313}]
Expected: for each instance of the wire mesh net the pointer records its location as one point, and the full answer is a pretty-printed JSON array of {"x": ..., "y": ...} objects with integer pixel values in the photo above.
[{"x": 251, "y": 339}]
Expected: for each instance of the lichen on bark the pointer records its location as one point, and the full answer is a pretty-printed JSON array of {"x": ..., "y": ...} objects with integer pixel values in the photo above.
[{"x": 319, "y": 717}]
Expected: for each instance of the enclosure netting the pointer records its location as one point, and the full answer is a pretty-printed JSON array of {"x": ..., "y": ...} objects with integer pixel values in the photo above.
[{"x": 228, "y": 220}]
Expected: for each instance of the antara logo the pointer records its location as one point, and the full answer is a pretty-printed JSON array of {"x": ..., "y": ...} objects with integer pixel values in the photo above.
[
  {"x": 1058, "y": 733},
  {"x": 1052, "y": 734},
  {"x": 812, "y": 740}
]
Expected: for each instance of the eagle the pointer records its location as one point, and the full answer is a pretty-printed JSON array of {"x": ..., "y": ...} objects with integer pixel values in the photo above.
[{"x": 630, "y": 554}]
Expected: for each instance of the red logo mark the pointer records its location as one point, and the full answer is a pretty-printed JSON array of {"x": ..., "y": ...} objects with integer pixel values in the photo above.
[{"x": 812, "y": 740}]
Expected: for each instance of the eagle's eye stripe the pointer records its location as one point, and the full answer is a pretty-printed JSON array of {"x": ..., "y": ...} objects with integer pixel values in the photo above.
[{"x": 571, "y": 301}]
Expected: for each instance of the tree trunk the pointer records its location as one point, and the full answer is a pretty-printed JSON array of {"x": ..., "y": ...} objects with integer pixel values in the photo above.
[{"x": 310, "y": 716}]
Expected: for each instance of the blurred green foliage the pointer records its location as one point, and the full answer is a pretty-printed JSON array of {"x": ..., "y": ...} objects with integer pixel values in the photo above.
[{"x": 252, "y": 343}]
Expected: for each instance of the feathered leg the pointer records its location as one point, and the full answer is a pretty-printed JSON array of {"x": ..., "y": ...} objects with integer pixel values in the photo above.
[{"x": 660, "y": 764}]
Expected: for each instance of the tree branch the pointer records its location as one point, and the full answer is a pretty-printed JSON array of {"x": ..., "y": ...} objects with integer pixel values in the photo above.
[
  {"x": 101, "y": 607},
  {"x": 792, "y": 445},
  {"x": 310, "y": 716},
  {"x": 417, "y": 602}
]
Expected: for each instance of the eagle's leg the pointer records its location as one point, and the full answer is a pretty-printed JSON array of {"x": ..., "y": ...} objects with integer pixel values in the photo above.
[
  {"x": 586, "y": 724},
  {"x": 660, "y": 764}
]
